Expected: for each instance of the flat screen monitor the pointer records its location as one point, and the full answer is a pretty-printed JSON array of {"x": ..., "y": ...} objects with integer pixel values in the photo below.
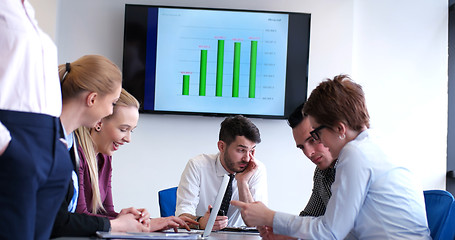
[{"x": 183, "y": 60}]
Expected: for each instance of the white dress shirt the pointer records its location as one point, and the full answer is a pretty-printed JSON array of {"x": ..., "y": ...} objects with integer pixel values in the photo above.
[
  {"x": 201, "y": 180},
  {"x": 29, "y": 79},
  {"x": 371, "y": 199}
]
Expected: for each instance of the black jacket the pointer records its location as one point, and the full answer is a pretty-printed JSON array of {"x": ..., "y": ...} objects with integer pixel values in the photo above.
[{"x": 76, "y": 224}]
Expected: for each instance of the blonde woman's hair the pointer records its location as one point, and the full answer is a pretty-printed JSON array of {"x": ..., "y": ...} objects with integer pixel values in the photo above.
[
  {"x": 89, "y": 149},
  {"x": 93, "y": 73},
  {"x": 125, "y": 99}
]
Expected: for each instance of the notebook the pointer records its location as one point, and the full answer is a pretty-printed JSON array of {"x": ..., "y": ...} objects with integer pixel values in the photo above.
[{"x": 179, "y": 235}]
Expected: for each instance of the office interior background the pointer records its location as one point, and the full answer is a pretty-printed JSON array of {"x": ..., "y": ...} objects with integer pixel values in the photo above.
[{"x": 397, "y": 50}]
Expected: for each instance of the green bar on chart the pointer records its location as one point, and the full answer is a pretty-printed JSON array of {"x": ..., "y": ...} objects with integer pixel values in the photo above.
[
  {"x": 253, "y": 63},
  {"x": 236, "y": 73},
  {"x": 186, "y": 85},
  {"x": 219, "y": 69},
  {"x": 203, "y": 73}
]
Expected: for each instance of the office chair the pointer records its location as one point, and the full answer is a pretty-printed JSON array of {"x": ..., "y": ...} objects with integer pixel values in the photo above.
[
  {"x": 167, "y": 199},
  {"x": 440, "y": 208},
  {"x": 449, "y": 227}
]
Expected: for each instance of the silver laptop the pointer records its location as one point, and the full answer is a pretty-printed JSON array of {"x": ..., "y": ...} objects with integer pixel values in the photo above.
[
  {"x": 216, "y": 206},
  {"x": 181, "y": 234}
]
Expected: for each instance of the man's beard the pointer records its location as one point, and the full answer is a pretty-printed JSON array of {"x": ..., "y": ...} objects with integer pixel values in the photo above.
[{"x": 230, "y": 164}]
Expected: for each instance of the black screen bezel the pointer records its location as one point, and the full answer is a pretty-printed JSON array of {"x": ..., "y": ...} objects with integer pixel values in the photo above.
[{"x": 135, "y": 39}]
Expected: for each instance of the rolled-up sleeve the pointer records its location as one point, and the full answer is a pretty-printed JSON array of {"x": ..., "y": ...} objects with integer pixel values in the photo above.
[
  {"x": 258, "y": 184},
  {"x": 188, "y": 190}
]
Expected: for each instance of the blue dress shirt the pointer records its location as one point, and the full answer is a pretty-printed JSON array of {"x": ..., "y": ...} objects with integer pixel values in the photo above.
[
  {"x": 73, "y": 204},
  {"x": 372, "y": 198}
]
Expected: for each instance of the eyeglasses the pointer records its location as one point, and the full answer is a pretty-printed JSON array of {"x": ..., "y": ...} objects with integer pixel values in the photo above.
[{"x": 315, "y": 133}]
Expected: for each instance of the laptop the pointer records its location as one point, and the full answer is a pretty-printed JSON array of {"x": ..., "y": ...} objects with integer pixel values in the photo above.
[
  {"x": 181, "y": 234},
  {"x": 216, "y": 207}
]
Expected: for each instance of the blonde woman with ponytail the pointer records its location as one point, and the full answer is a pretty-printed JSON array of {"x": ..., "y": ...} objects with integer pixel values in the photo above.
[
  {"x": 96, "y": 146},
  {"x": 90, "y": 86}
]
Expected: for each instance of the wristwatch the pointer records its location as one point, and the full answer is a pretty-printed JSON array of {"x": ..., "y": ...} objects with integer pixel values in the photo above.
[{"x": 197, "y": 220}]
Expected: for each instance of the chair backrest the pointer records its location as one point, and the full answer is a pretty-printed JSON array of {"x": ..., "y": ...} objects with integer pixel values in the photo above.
[
  {"x": 448, "y": 232},
  {"x": 439, "y": 205},
  {"x": 167, "y": 199}
]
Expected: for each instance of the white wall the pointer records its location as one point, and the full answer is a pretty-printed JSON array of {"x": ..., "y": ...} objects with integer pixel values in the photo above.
[
  {"x": 45, "y": 12},
  {"x": 397, "y": 51},
  {"x": 400, "y": 58}
]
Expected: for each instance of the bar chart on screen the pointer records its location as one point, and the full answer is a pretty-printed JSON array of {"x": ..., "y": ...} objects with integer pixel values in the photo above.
[
  {"x": 217, "y": 71},
  {"x": 221, "y": 60}
]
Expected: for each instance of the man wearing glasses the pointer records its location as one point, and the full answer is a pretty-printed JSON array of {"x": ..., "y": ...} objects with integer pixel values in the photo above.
[
  {"x": 324, "y": 173},
  {"x": 373, "y": 196}
]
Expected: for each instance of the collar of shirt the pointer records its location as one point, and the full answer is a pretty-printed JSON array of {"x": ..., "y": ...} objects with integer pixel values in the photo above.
[
  {"x": 328, "y": 173},
  {"x": 69, "y": 138},
  {"x": 220, "y": 171}
]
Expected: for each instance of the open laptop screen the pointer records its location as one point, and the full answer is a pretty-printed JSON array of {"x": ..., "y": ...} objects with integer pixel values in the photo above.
[
  {"x": 216, "y": 206},
  {"x": 181, "y": 235}
]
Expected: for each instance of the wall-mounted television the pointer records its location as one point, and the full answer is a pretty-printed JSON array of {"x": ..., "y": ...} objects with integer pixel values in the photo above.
[{"x": 183, "y": 60}]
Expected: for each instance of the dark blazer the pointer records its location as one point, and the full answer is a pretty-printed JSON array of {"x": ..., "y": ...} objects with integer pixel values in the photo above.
[{"x": 76, "y": 224}]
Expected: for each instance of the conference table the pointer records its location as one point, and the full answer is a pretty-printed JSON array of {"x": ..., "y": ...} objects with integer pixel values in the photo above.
[{"x": 213, "y": 236}]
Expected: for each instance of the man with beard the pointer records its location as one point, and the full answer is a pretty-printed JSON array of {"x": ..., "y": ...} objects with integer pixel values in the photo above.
[
  {"x": 324, "y": 173},
  {"x": 204, "y": 173}
]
